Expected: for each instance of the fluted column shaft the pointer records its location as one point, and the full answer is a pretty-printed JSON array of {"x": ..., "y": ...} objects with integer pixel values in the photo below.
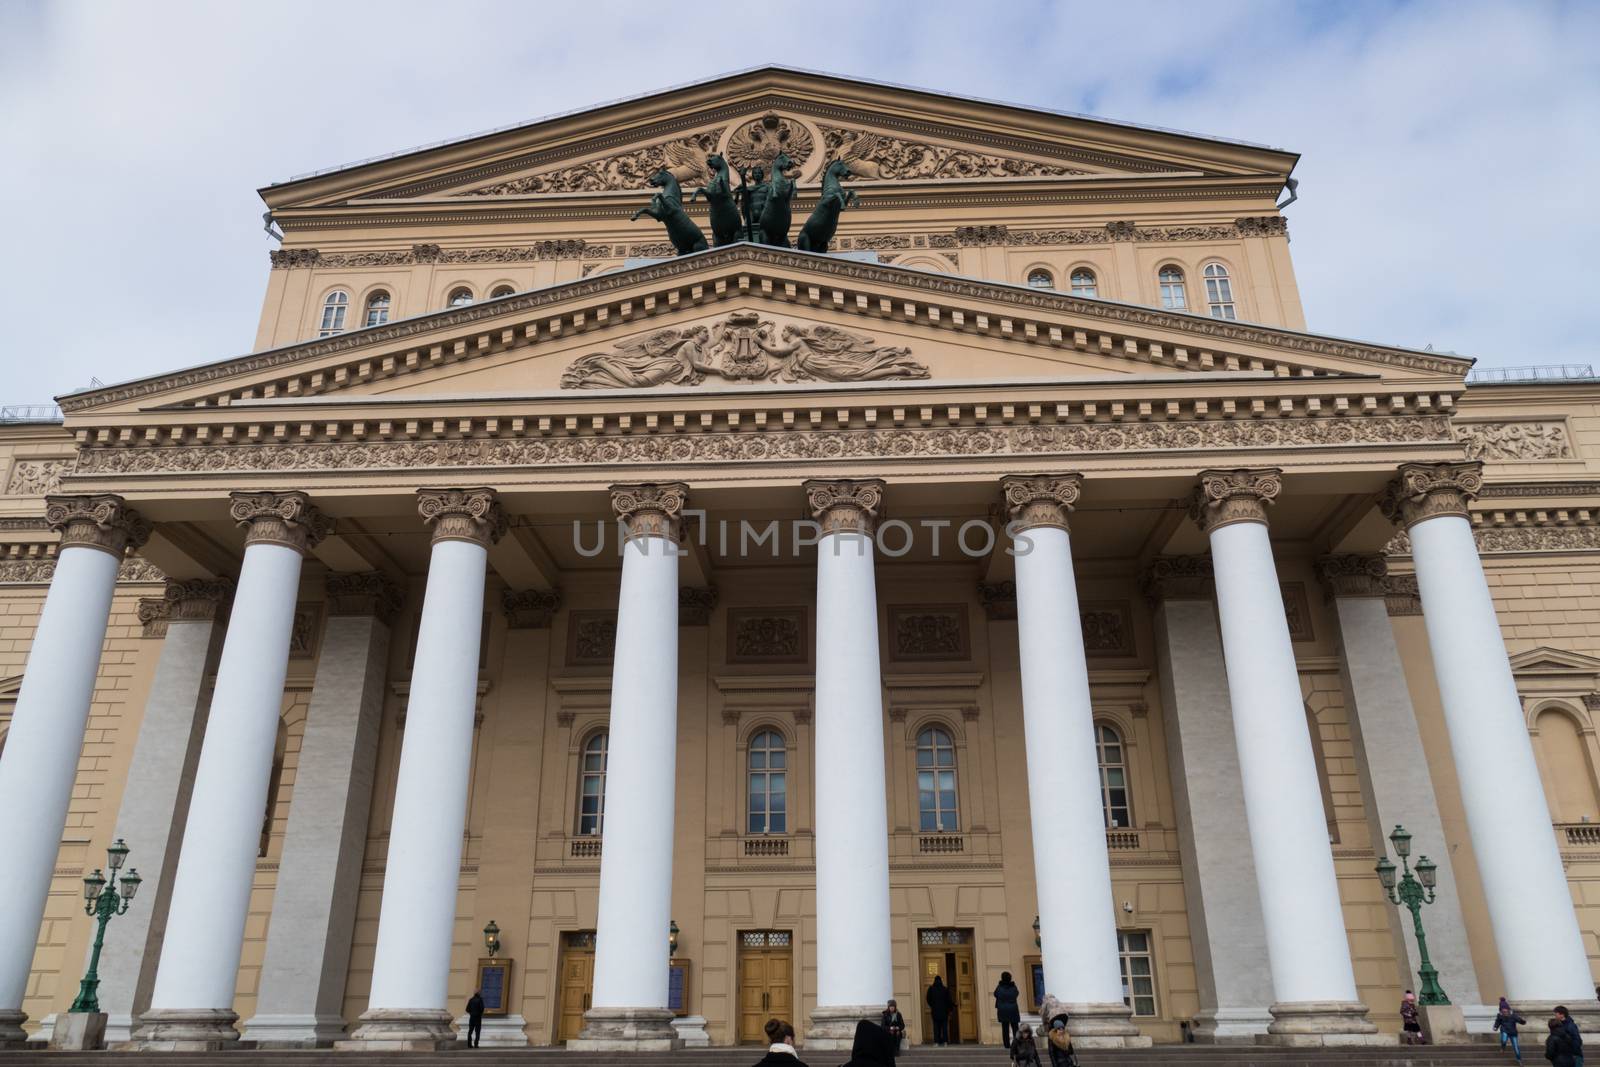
[
  {"x": 407, "y": 1007},
  {"x": 52, "y": 710},
  {"x": 191, "y": 1005},
  {"x": 1536, "y": 931},
  {"x": 1072, "y": 871}
]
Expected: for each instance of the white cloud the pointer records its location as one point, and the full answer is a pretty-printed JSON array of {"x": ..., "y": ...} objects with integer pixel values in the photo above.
[{"x": 1448, "y": 148}]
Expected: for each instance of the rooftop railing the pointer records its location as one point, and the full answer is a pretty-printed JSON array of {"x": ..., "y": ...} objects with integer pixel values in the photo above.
[
  {"x": 12, "y": 413},
  {"x": 1552, "y": 372}
]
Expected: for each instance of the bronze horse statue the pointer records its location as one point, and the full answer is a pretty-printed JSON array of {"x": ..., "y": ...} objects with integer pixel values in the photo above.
[
  {"x": 819, "y": 228},
  {"x": 667, "y": 207},
  {"x": 775, "y": 214},
  {"x": 725, "y": 221}
]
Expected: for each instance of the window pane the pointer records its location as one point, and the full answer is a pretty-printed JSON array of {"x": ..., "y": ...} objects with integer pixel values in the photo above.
[
  {"x": 776, "y": 823},
  {"x": 924, "y": 757},
  {"x": 758, "y": 759},
  {"x": 776, "y": 802},
  {"x": 777, "y": 758},
  {"x": 776, "y": 784},
  {"x": 930, "y": 821},
  {"x": 757, "y": 823}
]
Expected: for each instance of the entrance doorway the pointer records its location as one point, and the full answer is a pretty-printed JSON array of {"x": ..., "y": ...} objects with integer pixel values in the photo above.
[
  {"x": 577, "y": 982},
  {"x": 948, "y": 954},
  {"x": 766, "y": 981}
]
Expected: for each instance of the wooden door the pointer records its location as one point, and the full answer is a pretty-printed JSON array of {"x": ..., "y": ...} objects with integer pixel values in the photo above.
[
  {"x": 766, "y": 982},
  {"x": 931, "y": 965},
  {"x": 964, "y": 1021},
  {"x": 577, "y": 984},
  {"x": 947, "y": 954}
]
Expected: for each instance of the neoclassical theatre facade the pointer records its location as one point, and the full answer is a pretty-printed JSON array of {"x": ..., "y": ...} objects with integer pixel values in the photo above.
[{"x": 1017, "y": 585}]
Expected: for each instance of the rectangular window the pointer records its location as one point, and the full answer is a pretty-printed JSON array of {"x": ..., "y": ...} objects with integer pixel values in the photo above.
[{"x": 1138, "y": 972}]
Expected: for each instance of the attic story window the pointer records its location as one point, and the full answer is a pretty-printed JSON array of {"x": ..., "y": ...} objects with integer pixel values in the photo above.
[
  {"x": 1041, "y": 279},
  {"x": 460, "y": 297},
  {"x": 333, "y": 311},
  {"x": 1219, "y": 292},
  {"x": 1083, "y": 283},
  {"x": 501, "y": 290},
  {"x": 1174, "y": 297},
  {"x": 377, "y": 309}
]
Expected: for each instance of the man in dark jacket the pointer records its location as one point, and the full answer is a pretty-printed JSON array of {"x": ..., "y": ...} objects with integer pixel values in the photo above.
[
  {"x": 1005, "y": 1007},
  {"x": 939, "y": 1005},
  {"x": 1558, "y": 1047},
  {"x": 1570, "y": 1028},
  {"x": 475, "y": 1019},
  {"x": 873, "y": 1047}
]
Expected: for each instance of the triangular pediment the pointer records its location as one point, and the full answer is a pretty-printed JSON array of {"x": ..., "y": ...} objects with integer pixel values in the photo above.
[
  {"x": 888, "y": 133},
  {"x": 1553, "y": 661}
]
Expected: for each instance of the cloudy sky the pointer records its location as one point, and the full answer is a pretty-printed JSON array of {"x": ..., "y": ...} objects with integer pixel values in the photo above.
[{"x": 1450, "y": 149}]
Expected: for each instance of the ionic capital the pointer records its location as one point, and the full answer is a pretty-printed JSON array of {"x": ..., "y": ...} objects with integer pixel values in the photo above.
[
  {"x": 1427, "y": 490},
  {"x": 1178, "y": 578},
  {"x": 845, "y": 506},
  {"x": 1353, "y": 575},
  {"x": 1045, "y": 500},
  {"x": 652, "y": 510},
  {"x": 1226, "y": 497},
  {"x": 530, "y": 609},
  {"x": 287, "y": 519},
  {"x": 472, "y": 515},
  {"x": 371, "y": 593},
  {"x": 105, "y": 522}
]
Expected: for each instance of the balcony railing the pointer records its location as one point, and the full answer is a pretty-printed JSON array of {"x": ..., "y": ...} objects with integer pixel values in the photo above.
[
  {"x": 1549, "y": 372},
  {"x": 1580, "y": 834},
  {"x": 941, "y": 843},
  {"x": 766, "y": 846},
  {"x": 1122, "y": 840},
  {"x": 586, "y": 848},
  {"x": 14, "y": 413}
]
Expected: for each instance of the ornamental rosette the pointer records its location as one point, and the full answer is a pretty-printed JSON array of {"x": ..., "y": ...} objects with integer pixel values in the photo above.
[
  {"x": 1427, "y": 490},
  {"x": 848, "y": 506},
  {"x": 105, "y": 522},
  {"x": 651, "y": 510},
  {"x": 471, "y": 515},
  {"x": 1226, "y": 497},
  {"x": 288, "y": 519},
  {"x": 1046, "y": 500}
]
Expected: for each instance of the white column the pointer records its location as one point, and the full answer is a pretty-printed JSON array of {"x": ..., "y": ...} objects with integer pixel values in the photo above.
[
  {"x": 855, "y": 974},
  {"x": 300, "y": 998},
  {"x": 1072, "y": 871},
  {"x": 155, "y": 797},
  {"x": 1530, "y": 903},
  {"x": 41, "y": 754},
  {"x": 407, "y": 1008},
  {"x": 1313, "y": 981},
  {"x": 191, "y": 1007},
  {"x": 631, "y": 954}
]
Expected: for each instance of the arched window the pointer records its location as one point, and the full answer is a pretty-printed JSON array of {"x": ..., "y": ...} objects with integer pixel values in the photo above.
[
  {"x": 1041, "y": 279},
  {"x": 769, "y": 797},
  {"x": 1219, "y": 291},
  {"x": 1113, "y": 776},
  {"x": 1083, "y": 283},
  {"x": 377, "y": 309},
  {"x": 460, "y": 297},
  {"x": 333, "y": 311},
  {"x": 592, "y": 786},
  {"x": 1173, "y": 295},
  {"x": 936, "y": 782},
  {"x": 501, "y": 290}
]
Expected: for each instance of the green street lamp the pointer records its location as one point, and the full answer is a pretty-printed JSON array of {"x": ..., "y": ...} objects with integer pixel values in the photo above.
[
  {"x": 1413, "y": 893},
  {"x": 104, "y": 898}
]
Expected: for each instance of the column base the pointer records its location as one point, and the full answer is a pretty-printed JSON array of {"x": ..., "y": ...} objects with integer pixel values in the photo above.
[
  {"x": 184, "y": 1030},
  {"x": 1322, "y": 1024},
  {"x": 1586, "y": 1013},
  {"x": 1230, "y": 1026},
  {"x": 1444, "y": 1024},
  {"x": 81, "y": 1031},
  {"x": 499, "y": 1031},
  {"x": 119, "y": 1028},
  {"x": 1097, "y": 1025},
  {"x": 1480, "y": 1018},
  {"x": 692, "y": 1031},
  {"x": 833, "y": 1026},
  {"x": 400, "y": 1030},
  {"x": 626, "y": 1030},
  {"x": 293, "y": 1031},
  {"x": 12, "y": 1035}
]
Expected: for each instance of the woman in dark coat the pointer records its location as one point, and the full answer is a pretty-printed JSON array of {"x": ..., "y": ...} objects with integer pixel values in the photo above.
[
  {"x": 1005, "y": 1006},
  {"x": 873, "y": 1047},
  {"x": 1558, "y": 1047},
  {"x": 781, "y": 1053},
  {"x": 939, "y": 1006}
]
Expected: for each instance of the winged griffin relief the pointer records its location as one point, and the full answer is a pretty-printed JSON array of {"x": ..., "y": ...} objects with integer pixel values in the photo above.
[
  {"x": 742, "y": 348},
  {"x": 684, "y": 157},
  {"x": 877, "y": 156}
]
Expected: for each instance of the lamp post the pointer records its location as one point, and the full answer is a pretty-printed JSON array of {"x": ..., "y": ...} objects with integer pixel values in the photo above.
[
  {"x": 103, "y": 898},
  {"x": 1413, "y": 893}
]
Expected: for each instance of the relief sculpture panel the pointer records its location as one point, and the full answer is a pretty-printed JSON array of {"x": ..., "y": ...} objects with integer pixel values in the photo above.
[{"x": 1514, "y": 440}]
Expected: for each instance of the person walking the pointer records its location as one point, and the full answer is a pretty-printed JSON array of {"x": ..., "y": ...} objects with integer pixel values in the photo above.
[
  {"x": 475, "y": 1019},
  {"x": 895, "y": 1023},
  {"x": 1024, "y": 1052},
  {"x": 1005, "y": 1006},
  {"x": 939, "y": 1005},
  {"x": 1506, "y": 1021},
  {"x": 1570, "y": 1027},
  {"x": 780, "y": 1049},
  {"x": 1558, "y": 1048},
  {"x": 1410, "y": 1020}
]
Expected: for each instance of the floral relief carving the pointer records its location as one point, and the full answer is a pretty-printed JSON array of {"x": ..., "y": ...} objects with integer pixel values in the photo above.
[
  {"x": 767, "y": 635},
  {"x": 928, "y": 633},
  {"x": 1297, "y": 612},
  {"x": 1107, "y": 628},
  {"x": 592, "y": 638},
  {"x": 304, "y": 633},
  {"x": 882, "y": 156},
  {"x": 430, "y": 253},
  {"x": 36, "y": 477},
  {"x": 684, "y": 156},
  {"x": 1514, "y": 440}
]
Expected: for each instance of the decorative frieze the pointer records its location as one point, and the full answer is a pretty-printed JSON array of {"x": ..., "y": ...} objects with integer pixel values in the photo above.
[
  {"x": 1044, "y": 500},
  {"x": 288, "y": 519},
  {"x": 472, "y": 515},
  {"x": 846, "y": 506},
  {"x": 591, "y": 638},
  {"x": 305, "y": 634},
  {"x": 651, "y": 510},
  {"x": 105, "y": 522},
  {"x": 1423, "y": 491},
  {"x": 768, "y": 635},
  {"x": 695, "y": 605},
  {"x": 885, "y": 157},
  {"x": 1107, "y": 627},
  {"x": 1297, "y": 612},
  {"x": 38, "y": 570},
  {"x": 289, "y": 258},
  {"x": 1353, "y": 575},
  {"x": 1224, "y": 497},
  {"x": 371, "y": 593},
  {"x": 1551, "y": 538},
  {"x": 530, "y": 609},
  {"x": 1178, "y": 578},
  {"x": 684, "y": 156},
  {"x": 1515, "y": 441},
  {"x": 36, "y": 477},
  {"x": 928, "y": 632}
]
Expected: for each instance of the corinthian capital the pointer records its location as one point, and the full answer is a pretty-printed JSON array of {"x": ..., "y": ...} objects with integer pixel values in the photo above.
[
  {"x": 367, "y": 593},
  {"x": 845, "y": 506},
  {"x": 1427, "y": 490},
  {"x": 1352, "y": 575},
  {"x": 287, "y": 519},
  {"x": 654, "y": 510},
  {"x": 1226, "y": 497},
  {"x": 105, "y": 522},
  {"x": 201, "y": 599},
  {"x": 1178, "y": 578},
  {"x": 471, "y": 515},
  {"x": 1045, "y": 500}
]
